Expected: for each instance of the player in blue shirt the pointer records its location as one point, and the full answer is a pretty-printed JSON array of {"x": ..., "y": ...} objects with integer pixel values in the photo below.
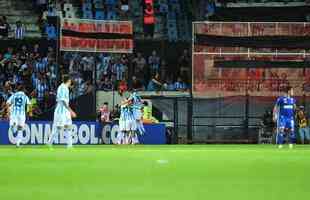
[
  {"x": 18, "y": 107},
  {"x": 283, "y": 115},
  {"x": 63, "y": 113}
]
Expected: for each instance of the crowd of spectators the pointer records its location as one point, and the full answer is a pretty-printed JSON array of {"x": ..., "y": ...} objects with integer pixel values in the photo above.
[
  {"x": 121, "y": 72},
  {"x": 33, "y": 67}
]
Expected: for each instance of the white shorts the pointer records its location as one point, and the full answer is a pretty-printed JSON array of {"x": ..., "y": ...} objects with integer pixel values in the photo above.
[
  {"x": 61, "y": 120},
  {"x": 127, "y": 125},
  {"x": 18, "y": 120}
]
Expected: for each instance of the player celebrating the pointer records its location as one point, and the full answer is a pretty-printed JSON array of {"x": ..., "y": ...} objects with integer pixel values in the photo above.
[
  {"x": 63, "y": 113},
  {"x": 136, "y": 111},
  {"x": 283, "y": 115},
  {"x": 18, "y": 104},
  {"x": 126, "y": 122}
]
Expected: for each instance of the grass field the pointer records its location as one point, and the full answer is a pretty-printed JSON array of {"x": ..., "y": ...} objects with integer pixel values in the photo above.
[{"x": 155, "y": 172}]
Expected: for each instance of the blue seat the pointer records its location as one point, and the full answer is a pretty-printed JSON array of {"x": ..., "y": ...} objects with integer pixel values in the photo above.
[
  {"x": 111, "y": 15},
  {"x": 172, "y": 25},
  {"x": 173, "y": 1},
  {"x": 163, "y": 8},
  {"x": 110, "y": 2},
  {"x": 99, "y": 4},
  {"x": 99, "y": 15},
  {"x": 172, "y": 35},
  {"x": 86, "y": 7},
  {"x": 87, "y": 15},
  {"x": 172, "y": 16},
  {"x": 51, "y": 32},
  {"x": 98, "y": 1}
]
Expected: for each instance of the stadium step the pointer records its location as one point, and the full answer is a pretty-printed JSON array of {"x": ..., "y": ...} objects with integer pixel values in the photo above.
[{"x": 16, "y": 10}]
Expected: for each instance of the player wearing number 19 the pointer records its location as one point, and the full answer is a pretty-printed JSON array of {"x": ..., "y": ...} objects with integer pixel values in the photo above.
[{"x": 18, "y": 104}]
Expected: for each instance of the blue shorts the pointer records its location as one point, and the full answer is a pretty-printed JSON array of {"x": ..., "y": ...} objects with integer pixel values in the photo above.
[{"x": 286, "y": 123}]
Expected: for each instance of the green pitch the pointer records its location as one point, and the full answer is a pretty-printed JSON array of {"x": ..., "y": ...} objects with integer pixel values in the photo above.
[{"x": 240, "y": 172}]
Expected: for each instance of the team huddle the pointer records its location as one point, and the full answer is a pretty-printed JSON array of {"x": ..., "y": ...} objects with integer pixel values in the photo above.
[{"x": 130, "y": 122}]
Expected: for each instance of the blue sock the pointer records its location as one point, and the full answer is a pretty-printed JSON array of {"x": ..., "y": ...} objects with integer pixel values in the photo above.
[
  {"x": 292, "y": 138},
  {"x": 280, "y": 138}
]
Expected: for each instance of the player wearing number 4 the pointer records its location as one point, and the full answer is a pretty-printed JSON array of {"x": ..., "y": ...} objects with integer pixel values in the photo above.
[
  {"x": 283, "y": 115},
  {"x": 63, "y": 114},
  {"x": 17, "y": 104}
]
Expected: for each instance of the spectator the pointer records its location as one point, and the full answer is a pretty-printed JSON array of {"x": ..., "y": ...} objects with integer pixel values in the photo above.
[
  {"x": 36, "y": 51},
  {"x": 136, "y": 84},
  {"x": 147, "y": 114},
  {"x": 185, "y": 63},
  {"x": 41, "y": 87},
  {"x": 148, "y": 19},
  {"x": 24, "y": 53},
  {"x": 125, "y": 61},
  {"x": 105, "y": 113},
  {"x": 267, "y": 120},
  {"x": 104, "y": 64},
  {"x": 89, "y": 88},
  {"x": 106, "y": 84},
  {"x": 4, "y": 27},
  {"x": 154, "y": 63},
  {"x": 9, "y": 54},
  {"x": 180, "y": 85},
  {"x": 139, "y": 66},
  {"x": 7, "y": 91},
  {"x": 124, "y": 9},
  {"x": 20, "y": 31},
  {"x": 169, "y": 85},
  {"x": 34, "y": 109},
  {"x": 122, "y": 87},
  {"x": 155, "y": 84},
  {"x": 40, "y": 65},
  {"x": 303, "y": 126},
  {"x": 41, "y": 5},
  {"x": 119, "y": 70},
  {"x": 48, "y": 100},
  {"x": 116, "y": 112}
]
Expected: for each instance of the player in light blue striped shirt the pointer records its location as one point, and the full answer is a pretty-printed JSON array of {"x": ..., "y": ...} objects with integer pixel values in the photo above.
[
  {"x": 18, "y": 106},
  {"x": 63, "y": 112}
]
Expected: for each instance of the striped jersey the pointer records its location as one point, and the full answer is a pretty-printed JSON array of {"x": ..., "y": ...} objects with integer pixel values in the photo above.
[
  {"x": 136, "y": 101},
  {"x": 18, "y": 102},
  {"x": 62, "y": 96}
]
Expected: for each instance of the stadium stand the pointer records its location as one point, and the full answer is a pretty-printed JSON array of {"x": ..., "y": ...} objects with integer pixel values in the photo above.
[{"x": 16, "y": 10}]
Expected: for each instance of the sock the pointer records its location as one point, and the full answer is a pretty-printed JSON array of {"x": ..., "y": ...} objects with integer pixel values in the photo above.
[
  {"x": 135, "y": 139},
  {"x": 14, "y": 129},
  {"x": 52, "y": 135},
  {"x": 19, "y": 137},
  {"x": 280, "y": 138},
  {"x": 292, "y": 137},
  {"x": 140, "y": 128},
  {"x": 120, "y": 137},
  {"x": 68, "y": 135}
]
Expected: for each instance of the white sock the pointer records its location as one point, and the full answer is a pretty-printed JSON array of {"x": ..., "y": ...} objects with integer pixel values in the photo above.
[
  {"x": 19, "y": 137},
  {"x": 52, "y": 135},
  {"x": 68, "y": 134}
]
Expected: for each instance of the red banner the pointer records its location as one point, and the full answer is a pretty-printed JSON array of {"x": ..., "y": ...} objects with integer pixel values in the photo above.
[
  {"x": 96, "y": 36},
  {"x": 96, "y": 45},
  {"x": 213, "y": 77}
]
